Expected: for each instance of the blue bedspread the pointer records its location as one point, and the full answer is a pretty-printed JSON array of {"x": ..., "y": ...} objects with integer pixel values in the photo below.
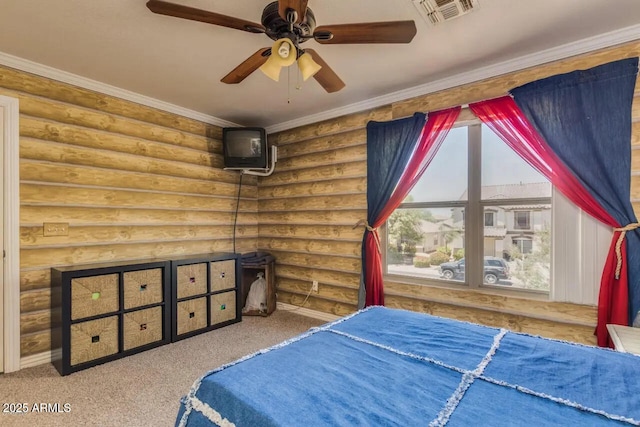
[{"x": 385, "y": 367}]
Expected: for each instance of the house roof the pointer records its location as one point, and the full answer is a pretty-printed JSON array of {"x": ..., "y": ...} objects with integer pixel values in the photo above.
[
  {"x": 500, "y": 232},
  {"x": 530, "y": 190}
]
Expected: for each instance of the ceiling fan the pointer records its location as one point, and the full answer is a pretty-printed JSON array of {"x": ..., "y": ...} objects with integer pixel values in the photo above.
[{"x": 291, "y": 23}]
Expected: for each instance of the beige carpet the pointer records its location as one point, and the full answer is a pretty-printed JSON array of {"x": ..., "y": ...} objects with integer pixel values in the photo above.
[{"x": 144, "y": 389}]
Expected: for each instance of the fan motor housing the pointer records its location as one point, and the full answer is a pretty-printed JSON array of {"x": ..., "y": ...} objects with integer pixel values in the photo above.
[{"x": 277, "y": 28}]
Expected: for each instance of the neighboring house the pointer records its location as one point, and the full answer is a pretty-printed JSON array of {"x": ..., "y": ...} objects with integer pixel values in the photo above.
[
  {"x": 504, "y": 225},
  {"x": 443, "y": 233}
]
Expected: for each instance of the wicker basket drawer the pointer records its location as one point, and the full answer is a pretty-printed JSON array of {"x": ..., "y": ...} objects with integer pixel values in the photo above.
[
  {"x": 191, "y": 315},
  {"x": 192, "y": 280},
  {"x": 223, "y": 307},
  {"x": 94, "y": 295},
  {"x": 223, "y": 275},
  {"x": 93, "y": 339},
  {"x": 142, "y": 327},
  {"x": 142, "y": 287}
]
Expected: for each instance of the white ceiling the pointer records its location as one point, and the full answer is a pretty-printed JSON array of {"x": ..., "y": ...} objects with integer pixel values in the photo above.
[{"x": 123, "y": 44}]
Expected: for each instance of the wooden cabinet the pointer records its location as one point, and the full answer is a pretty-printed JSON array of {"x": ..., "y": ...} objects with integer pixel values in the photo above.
[
  {"x": 110, "y": 311},
  {"x": 249, "y": 275},
  {"x": 205, "y": 293}
]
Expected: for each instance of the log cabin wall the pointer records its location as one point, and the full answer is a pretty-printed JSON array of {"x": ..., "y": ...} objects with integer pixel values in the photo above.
[
  {"x": 308, "y": 207},
  {"x": 132, "y": 182}
]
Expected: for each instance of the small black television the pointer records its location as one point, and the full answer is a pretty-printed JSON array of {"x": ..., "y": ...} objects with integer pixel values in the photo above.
[{"x": 245, "y": 148}]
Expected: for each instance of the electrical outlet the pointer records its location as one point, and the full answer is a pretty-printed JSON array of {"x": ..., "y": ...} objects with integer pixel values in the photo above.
[
  {"x": 55, "y": 229},
  {"x": 314, "y": 286}
]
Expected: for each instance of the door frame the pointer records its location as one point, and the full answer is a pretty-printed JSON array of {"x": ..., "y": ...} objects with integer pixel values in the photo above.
[{"x": 11, "y": 224}]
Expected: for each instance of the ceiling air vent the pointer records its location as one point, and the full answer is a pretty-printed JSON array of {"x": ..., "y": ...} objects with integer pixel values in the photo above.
[{"x": 437, "y": 11}]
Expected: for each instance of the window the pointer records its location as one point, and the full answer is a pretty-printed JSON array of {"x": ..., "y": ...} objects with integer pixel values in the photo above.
[
  {"x": 466, "y": 207},
  {"x": 521, "y": 220},
  {"x": 523, "y": 244},
  {"x": 475, "y": 194},
  {"x": 489, "y": 219}
]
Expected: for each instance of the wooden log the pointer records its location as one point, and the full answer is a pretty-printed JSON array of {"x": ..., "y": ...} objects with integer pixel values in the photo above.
[
  {"x": 321, "y": 173},
  {"x": 318, "y": 304},
  {"x": 349, "y": 202},
  {"x": 498, "y": 86},
  {"x": 69, "y": 114},
  {"x": 37, "y": 321},
  {"x": 72, "y": 255},
  {"x": 635, "y": 187},
  {"x": 307, "y": 246},
  {"x": 37, "y": 149},
  {"x": 32, "y": 237},
  {"x": 336, "y": 278},
  {"x": 40, "y": 86},
  {"x": 332, "y": 126},
  {"x": 334, "y": 293},
  {"x": 35, "y": 279},
  {"x": 59, "y": 195},
  {"x": 547, "y": 310},
  {"x": 556, "y": 330},
  {"x": 635, "y": 159},
  {"x": 38, "y": 171},
  {"x": 337, "y": 218},
  {"x": 324, "y": 143},
  {"x": 35, "y": 128},
  {"x": 319, "y": 188},
  {"x": 39, "y": 299},
  {"x": 77, "y": 215},
  {"x": 635, "y": 134},
  {"x": 36, "y": 342},
  {"x": 320, "y": 262},
  {"x": 327, "y": 232},
  {"x": 324, "y": 158}
]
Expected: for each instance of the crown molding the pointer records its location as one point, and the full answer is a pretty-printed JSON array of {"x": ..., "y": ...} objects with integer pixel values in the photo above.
[
  {"x": 83, "y": 82},
  {"x": 601, "y": 41}
]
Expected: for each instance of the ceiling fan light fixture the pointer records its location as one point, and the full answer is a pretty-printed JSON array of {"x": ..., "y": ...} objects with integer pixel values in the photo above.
[
  {"x": 308, "y": 67},
  {"x": 283, "y": 54}
]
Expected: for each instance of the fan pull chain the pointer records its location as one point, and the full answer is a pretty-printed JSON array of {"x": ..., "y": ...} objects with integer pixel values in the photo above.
[{"x": 298, "y": 75}]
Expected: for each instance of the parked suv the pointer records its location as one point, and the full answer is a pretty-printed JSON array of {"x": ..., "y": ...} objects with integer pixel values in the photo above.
[{"x": 495, "y": 269}]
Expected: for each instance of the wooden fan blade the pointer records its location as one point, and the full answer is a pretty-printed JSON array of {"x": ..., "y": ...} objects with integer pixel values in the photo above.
[
  {"x": 247, "y": 67},
  {"x": 299, "y": 6},
  {"x": 186, "y": 12},
  {"x": 369, "y": 32},
  {"x": 327, "y": 78}
]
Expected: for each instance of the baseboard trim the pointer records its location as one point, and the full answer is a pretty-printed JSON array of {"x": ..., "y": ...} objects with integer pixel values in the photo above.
[
  {"x": 327, "y": 317},
  {"x": 40, "y": 358}
]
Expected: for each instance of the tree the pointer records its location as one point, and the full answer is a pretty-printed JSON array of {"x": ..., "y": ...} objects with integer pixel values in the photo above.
[
  {"x": 449, "y": 235},
  {"x": 404, "y": 229},
  {"x": 534, "y": 268}
]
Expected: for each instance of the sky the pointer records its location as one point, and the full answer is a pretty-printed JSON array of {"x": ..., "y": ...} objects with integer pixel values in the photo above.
[{"x": 446, "y": 176}]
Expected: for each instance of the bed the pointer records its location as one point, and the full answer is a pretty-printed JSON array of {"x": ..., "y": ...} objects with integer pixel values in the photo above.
[{"x": 388, "y": 367}]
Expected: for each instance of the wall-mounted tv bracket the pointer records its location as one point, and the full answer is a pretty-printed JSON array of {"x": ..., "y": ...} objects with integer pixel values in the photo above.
[{"x": 269, "y": 170}]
